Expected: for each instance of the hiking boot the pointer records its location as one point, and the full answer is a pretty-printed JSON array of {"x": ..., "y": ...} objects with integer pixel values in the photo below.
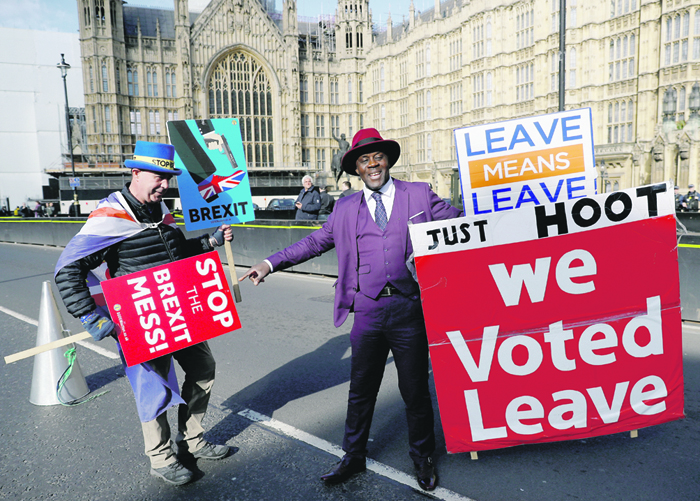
[
  {"x": 211, "y": 451},
  {"x": 173, "y": 474}
]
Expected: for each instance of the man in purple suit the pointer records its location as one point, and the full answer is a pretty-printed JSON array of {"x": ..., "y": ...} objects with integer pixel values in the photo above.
[{"x": 369, "y": 230}]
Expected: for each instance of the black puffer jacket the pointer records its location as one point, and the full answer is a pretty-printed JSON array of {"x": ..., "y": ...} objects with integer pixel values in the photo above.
[{"x": 148, "y": 248}]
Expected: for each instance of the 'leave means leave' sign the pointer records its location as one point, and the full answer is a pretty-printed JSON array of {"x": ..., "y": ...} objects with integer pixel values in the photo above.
[{"x": 526, "y": 162}]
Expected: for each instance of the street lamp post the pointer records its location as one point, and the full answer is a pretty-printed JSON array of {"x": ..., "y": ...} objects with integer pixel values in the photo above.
[
  {"x": 64, "y": 67},
  {"x": 562, "y": 54},
  {"x": 603, "y": 177}
]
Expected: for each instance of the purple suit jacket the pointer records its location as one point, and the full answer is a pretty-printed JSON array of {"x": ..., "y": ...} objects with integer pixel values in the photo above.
[{"x": 340, "y": 231}]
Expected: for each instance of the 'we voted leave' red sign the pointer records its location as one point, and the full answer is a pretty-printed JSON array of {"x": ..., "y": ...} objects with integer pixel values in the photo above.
[
  {"x": 170, "y": 307},
  {"x": 554, "y": 322}
]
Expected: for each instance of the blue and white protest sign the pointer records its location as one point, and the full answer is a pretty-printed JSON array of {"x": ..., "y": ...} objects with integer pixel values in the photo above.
[
  {"x": 526, "y": 162},
  {"x": 214, "y": 187}
]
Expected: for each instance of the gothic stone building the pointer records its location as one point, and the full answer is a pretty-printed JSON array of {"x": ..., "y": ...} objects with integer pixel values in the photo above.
[{"x": 297, "y": 84}]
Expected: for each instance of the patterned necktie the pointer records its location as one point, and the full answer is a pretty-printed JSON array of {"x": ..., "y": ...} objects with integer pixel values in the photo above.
[{"x": 379, "y": 211}]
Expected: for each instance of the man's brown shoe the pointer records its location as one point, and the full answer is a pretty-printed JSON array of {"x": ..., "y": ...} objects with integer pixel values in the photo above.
[{"x": 345, "y": 469}]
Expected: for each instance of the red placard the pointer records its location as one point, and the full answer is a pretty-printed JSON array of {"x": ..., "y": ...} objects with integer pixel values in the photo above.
[
  {"x": 558, "y": 338},
  {"x": 170, "y": 307}
]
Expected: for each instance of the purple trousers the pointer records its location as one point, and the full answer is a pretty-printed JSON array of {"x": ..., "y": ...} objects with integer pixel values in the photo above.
[{"x": 389, "y": 323}]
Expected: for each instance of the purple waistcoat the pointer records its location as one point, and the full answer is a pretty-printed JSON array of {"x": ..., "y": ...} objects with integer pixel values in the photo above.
[{"x": 382, "y": 257}]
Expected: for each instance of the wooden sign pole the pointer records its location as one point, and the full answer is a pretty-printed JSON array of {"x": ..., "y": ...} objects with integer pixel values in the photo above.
[
  {"x": 46, "y": 347},
  {"x": 232, "y": 271}
]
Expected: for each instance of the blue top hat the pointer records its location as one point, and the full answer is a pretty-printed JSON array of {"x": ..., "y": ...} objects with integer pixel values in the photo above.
[{"x": 154, "y": 157}]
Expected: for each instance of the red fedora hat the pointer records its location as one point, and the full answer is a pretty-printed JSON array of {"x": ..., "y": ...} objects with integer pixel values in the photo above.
[{"x": 367, "y": 141}]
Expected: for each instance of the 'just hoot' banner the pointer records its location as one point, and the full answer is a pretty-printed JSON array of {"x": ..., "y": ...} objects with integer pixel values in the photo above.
[
  {"x": 526, "y": 162},
  {"x": 214, "y": 189},
  {"x": 555, "y": 322}
]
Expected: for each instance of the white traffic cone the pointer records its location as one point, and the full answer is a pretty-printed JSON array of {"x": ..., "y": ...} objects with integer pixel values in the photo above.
[{"x": 50, "y": 365}]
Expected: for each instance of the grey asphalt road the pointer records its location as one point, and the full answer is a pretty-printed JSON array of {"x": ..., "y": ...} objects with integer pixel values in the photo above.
[{"x": 289, "y": 363}]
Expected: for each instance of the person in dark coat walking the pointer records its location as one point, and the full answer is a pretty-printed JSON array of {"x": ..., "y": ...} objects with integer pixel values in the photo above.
[
  {"x": 308, "y": 203},
  {"x": 347, "y": 190},
  {"x": 680, "y": 200},
  {"x": 692, "y": 199},
  {"x": 327, "y": 203}
]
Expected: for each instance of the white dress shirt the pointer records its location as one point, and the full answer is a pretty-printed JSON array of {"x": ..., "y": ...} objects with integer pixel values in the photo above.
[{"x": 387, "y": 192}]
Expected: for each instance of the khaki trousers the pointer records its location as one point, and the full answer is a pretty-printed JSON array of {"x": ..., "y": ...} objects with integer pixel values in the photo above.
[{"x": 198, "y": 364}]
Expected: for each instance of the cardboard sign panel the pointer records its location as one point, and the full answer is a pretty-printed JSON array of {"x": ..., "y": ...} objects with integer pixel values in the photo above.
[
  {"x": 526, "y": 162},
  {"x": 214, "y": 187},
  {"x": 170, "y": 307},
  {"x": 554, "y": 338}
]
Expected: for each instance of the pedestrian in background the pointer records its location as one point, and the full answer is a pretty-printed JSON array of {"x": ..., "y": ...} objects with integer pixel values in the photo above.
[
  {"x": 680, "y": 200},
  {"x": 327, "y": 203},
  {"x": 692, "y": 199},
  {"x": 308, "y": 203},
  {"x": 347, "y": 190}
]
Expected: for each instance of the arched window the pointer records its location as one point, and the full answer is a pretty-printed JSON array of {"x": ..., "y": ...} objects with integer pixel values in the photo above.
[
  {"x": 427, "y": 60},
  {"x": 100, "y": 12},
  {"x": 105, "y": 80},
  {"x": 620, "y": 122},
  {"x": 86, "y": 13},
  {"x": 113, "y": 12},
  {"x": 488, "y": 36},
  {"x": 681, "y": 104},
  {"x": 132, "y": 78},
  {"x": 489, "y": 85},
  {"x": 152, "y": 82},
  {"x": 623, "y": 113},
  {"x": 239, "y": 87},
  {"x": 170, "y": 83}
]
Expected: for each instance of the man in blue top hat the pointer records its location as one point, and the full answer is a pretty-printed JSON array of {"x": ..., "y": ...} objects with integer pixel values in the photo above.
[{"x": 130, "y": 231}]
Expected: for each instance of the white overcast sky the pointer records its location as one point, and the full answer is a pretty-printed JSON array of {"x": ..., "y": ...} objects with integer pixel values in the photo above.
[{"x": 62, "y": 15}]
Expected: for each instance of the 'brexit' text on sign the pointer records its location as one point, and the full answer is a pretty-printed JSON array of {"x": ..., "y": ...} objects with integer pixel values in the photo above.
[
  {"x": 572, "y": 333},
  {"x": 529, "y": 161},
  {"x": 170, "y": 307}
]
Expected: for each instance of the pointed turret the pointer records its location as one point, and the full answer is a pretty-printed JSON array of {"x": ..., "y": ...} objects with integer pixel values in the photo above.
[{"x": 353, "y": 27}]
